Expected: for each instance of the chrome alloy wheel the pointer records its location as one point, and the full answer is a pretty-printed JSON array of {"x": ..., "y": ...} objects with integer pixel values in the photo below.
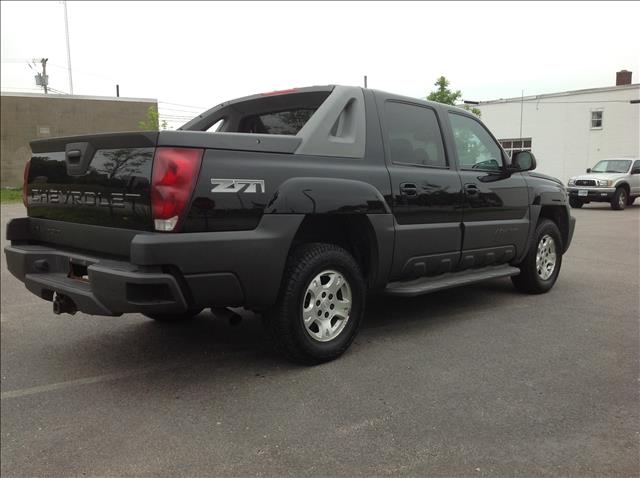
[
  {"x": 326, "y": 306},
  {"x": 622, "y": 199},
  {"x": 546, "y": 257}
]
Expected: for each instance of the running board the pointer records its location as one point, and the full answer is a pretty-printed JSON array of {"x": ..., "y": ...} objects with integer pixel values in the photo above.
[{"x": 425, "y": 285}]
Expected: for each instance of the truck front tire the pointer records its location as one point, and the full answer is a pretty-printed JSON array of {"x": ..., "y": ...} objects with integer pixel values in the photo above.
[
  {"x": 575, "y": 202},
  {"x": 619, "y": 200},
  {"x": 320, "y": 304},
  {"x": 541, "y": 266}
]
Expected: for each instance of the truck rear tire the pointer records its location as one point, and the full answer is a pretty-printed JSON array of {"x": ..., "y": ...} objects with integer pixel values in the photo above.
[
  {"x": 619, "y": 200},
  {"x": 174, "y": 318},
  {"x": 320, "y": 304},
  {"x": 541, "y": 266}
]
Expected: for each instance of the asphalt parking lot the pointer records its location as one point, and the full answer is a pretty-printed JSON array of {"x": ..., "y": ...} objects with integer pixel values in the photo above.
[{"x": 476, "y": 381}]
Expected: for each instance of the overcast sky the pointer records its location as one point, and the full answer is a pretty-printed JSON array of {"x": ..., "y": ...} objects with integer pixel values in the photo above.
[{"x": 200, "y": 54}]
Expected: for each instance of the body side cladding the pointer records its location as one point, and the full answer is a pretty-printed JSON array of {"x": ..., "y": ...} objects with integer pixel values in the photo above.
[
  {"x": 546, "y": 194},
  {"x": 534, "y": 215},
  {"x": 85, "y": 237},
  {"x": 384, "y": 228},
  {"x": 259, "y": 271}
]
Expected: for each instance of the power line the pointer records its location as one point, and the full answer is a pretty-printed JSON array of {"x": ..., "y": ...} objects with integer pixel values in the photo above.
[
  {"x": 188, "y": 106},
  {"x": 21, "y": 88},
  {"x": 176, "y": 118},
  {"x": 553, "y": 102},
  {"x": 177, "y": 114},
  {"x": 84, "y": 72},
  {"x": 58, "y": 91},
  {"x": 164, "y": 108}
]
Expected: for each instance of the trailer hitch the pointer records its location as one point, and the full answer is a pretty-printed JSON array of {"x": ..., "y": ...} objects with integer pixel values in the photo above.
[{"x": 63, "y": 304}]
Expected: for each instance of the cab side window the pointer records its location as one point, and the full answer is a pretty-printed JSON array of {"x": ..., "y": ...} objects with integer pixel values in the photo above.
[
  {"x": 413, "y": 135},
  {"x": 476, "y": 148}
]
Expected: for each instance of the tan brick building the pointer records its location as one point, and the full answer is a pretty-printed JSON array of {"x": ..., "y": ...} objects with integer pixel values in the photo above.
[{"x": 26, "y": 116}]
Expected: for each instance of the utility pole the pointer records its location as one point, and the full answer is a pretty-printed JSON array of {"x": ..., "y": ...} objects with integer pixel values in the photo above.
[
  {"x": 365, "y": 81},
  {"x": 118, "y": 91},
  {"x": 45, "y": 78},
  {"x": 41, "y": 78},
  {"x": 66, "y": 29},
  {"x": 521, "y": 109}
]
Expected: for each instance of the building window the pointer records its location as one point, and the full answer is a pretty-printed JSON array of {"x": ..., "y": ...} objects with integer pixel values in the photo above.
[
  {"x": 596, "y": 119},
  {"x": 517, "y": 144}
]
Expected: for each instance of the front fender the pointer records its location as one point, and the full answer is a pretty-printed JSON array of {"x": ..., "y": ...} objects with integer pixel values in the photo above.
[
  {"x": 326, "y": 196},
  {"x": 622, "y": 182},
  {"x": 550, "y": 195},
  {"x": 545, "y": 191}
]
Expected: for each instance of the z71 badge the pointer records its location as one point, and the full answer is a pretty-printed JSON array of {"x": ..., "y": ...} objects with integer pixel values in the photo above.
[{"x": 237, "y": 186}]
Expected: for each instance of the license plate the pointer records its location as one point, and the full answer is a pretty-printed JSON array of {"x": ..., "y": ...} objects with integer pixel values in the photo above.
[{"x": 583, "y": 192}]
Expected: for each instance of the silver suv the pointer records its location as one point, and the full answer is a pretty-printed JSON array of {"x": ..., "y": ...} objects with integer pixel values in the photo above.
[{"x": 615, "y": 180}]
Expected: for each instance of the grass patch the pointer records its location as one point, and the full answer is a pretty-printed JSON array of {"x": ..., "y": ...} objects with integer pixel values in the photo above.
[{"x": 10, "y": 195}]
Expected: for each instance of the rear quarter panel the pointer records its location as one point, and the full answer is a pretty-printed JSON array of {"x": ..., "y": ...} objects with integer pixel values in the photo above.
[{"x": 282, "y": 184}]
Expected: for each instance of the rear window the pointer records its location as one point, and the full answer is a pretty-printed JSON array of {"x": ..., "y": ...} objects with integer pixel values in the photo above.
[
  {"x": 287, "y": 122},
  {"x": 413, "y": 135},
  {"x": 281, "y": 114}
]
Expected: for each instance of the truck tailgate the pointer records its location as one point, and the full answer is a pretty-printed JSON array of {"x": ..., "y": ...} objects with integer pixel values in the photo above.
[{"x": 101, "y": 179}]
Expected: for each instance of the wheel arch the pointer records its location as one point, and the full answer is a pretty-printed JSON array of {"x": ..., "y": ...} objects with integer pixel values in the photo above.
[
  {"x": 560, "y": 216},
  {"x": 625, "y": 185},
  {"x": 359, "y": 234},
  {"x": 557, "y": 213}
]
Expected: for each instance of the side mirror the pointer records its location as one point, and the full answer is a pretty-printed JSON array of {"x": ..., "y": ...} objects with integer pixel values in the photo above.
[
  {"x": 523, "y": 161},
  {"x": 588, "y": 170},
  {"x": 635, "y": 170}
]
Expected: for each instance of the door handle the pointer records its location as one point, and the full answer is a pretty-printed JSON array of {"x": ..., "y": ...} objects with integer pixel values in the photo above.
[
  {"x": 471, "y": 188},
  {"x": 408, "y": 189}
]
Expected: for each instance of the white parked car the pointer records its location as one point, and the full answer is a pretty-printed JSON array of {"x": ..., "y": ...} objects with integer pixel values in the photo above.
[{"x": 615, "y": 180}]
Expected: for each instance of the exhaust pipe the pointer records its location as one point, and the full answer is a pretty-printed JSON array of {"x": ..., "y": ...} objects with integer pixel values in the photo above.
[
  {"x": 63, "y": 305},
  {"x": 230, "y": 315}
]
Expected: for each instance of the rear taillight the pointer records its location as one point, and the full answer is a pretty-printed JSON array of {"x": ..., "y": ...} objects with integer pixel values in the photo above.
[
  {"x": 175, "y": 171},
  {"x": 25, "y": 184}
]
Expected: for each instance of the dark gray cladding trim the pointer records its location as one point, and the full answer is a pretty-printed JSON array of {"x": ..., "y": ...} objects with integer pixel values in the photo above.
[
  {"x": 338, "y": 127},
  {"x": 269, "y": 143},
  {"x": 269, "y": 101}
]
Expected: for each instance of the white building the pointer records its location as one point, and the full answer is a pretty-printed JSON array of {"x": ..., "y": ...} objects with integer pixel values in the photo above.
[{"x": 570, "y": 131}]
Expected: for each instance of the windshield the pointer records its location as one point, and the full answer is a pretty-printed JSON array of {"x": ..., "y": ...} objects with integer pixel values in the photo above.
[{"x": 612, "y": 166}]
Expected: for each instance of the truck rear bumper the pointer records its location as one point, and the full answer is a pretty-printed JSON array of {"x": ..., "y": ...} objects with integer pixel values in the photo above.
[
  {"x": 95, "y": 285},
  {"x": 162, "y": 273}
]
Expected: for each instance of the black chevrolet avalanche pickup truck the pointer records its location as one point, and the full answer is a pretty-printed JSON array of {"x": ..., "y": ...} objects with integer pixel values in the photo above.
[{"x": 294, "y": 204}]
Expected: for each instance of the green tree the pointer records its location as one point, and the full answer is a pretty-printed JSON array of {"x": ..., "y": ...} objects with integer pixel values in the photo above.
[
  {"x": 152, "y": 121},
  {"x": 442, "y": 94}
]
